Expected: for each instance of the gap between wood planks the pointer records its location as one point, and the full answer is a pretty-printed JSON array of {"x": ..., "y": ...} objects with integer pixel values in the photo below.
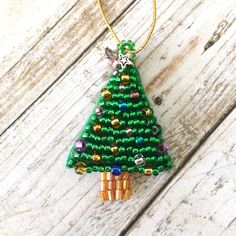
[
  {"x": 70, "y": 66},
  {"x": 188, "y": 157}
]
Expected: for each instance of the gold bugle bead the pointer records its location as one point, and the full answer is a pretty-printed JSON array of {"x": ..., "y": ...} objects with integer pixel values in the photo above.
[
  {"x": 97, "y": 128},
  {"x": 118, "y": 194},
  {"x": 106, "y": 94},
  {"x": 111, "y": 195},
  {"x": 96, "y": 157},
  {"x": 126, "y": 175},
  {"x": 80, "y": 168},
  {"x": 125, "y": 79},
  {"x": 148, "y": 171},
  {"x": 118, "y": 184},
  {"x": 103, "y": 196},
  {"x": 110, "y": 185},
  {"x": 103, "y": 176},
  {"x": 127, "y": 194},
  {"x": 115, "y": 123},
  {"x": 103, "y": 185},
  {"x": 126, "y": 184}
]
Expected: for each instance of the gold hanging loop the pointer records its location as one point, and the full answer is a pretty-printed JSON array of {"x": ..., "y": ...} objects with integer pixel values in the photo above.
[{"x": 117, "y": 38}]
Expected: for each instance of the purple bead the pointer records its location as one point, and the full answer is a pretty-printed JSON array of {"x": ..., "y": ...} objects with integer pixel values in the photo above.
[
  {"x": 128, "y": 132},
  {"x": 161, "y": 148},
  {"x": 80, "y": 145},
  {"x": 165, "y": 146},
  {"x": 134, "y": 95},
  {"x": 99, "y": 111}
]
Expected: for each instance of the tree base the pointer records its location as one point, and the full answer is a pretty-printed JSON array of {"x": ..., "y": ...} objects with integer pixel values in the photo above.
[{"x": 115, "y": 187}]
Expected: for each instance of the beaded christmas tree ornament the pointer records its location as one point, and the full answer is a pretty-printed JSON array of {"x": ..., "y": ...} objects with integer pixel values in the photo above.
[{"x": 122, "y": 135}]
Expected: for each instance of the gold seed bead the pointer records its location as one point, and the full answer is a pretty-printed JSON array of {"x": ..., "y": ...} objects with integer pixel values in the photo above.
[
  {"x": 115, "y": 123},
  {"x": 148, "y": 171},
  {"x": 80, "y": 168},
  {"x": 106, "y": 94},
  {"x": 97, "y": 129},
  {"x": 125, "y": 79},
  {"x": 96, "y": 157},
  {"x": 147, "y": 112},
  {"x": 115, "y": 150}
]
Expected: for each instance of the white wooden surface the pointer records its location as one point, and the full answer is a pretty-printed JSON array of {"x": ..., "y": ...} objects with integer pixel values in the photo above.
[{"x": 49, "y": 85}]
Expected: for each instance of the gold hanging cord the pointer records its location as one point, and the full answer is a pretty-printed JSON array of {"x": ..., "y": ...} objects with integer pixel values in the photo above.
[{"x": 115, "y": 35}]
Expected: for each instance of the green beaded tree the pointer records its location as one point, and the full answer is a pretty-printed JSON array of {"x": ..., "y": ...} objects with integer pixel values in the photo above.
[{"x": 122, "y": 133}]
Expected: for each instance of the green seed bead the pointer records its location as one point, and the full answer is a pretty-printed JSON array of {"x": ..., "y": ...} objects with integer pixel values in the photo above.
[
  {"x": 110, "y": 112},
  {"x": 117, "y": 159},
  {"x": 130, "y": 169},
  {"x": 126, "y": 96},
  {"x": 133, "y": 114},
  {"x": 155, "y": 171},
  {"x": 85, "y": 135},
  {"x": 100, "y": 168},
  {"x": 110, "y": 130},
  {"x": 169, "y": 165},
  {"x": 161, "y": 168},
  {"x": 95, "y": 168},
  {"x": 121, "y": 149},
  {"x": 124, "y": 168},
  {"x": 136, "y": 106},
  {"x": 135, "y": 151},
  {"x": 119, "y": 141},
  {"x": 129, "y": 149},
  {"x": 122, "y": 123},
  {"x": 130, "y": 159},
  {"x": 142, "y": 150},
  {"x": 125, "y": 115},
  {"x": 89, "y": 170},
  {"x": 153, "y": 149},
  {"x": 70, "y": 163},
  {"x": 148, "y": 159},
  {"x": 148, "y": 149},
  {"x": 129, "y": 105},
  {"x": 141, "y": 169},
  {"x": 107, "y": 168},
  {"x": 130, "y": 122},
  {"x": 110, "y": 139},
  {"x": 123, "y": 158}
]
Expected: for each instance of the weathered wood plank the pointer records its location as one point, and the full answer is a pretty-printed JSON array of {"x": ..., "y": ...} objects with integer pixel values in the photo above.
[
  {"x": 197, "y": 91},
  {"x": 24, "y": 23},
  {"x": 50, "y": 58},
  {"x": 200, "y": 200}
]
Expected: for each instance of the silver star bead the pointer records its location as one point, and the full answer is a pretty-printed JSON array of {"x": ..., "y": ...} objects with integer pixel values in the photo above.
[{"x": 123, "y": 61}]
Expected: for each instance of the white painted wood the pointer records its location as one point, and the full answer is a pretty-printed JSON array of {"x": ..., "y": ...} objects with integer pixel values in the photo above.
[
  {"x": 40, "y": 197},
  {"x": 24, "y": 23},
  {"x": 51, "y": 57},
  {"x": 201, "y": 199}
]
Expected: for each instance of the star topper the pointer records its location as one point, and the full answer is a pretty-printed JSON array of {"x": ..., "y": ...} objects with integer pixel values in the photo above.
[{"x": 123, "y": 61}]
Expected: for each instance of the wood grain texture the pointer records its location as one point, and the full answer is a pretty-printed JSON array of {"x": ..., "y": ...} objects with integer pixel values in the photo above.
[
  {"x": 51, "y": 56},
  {"x": 40, "y": 197},
  {"x": 24, "y": 23},
  {"x": 201, "y": 199}
]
